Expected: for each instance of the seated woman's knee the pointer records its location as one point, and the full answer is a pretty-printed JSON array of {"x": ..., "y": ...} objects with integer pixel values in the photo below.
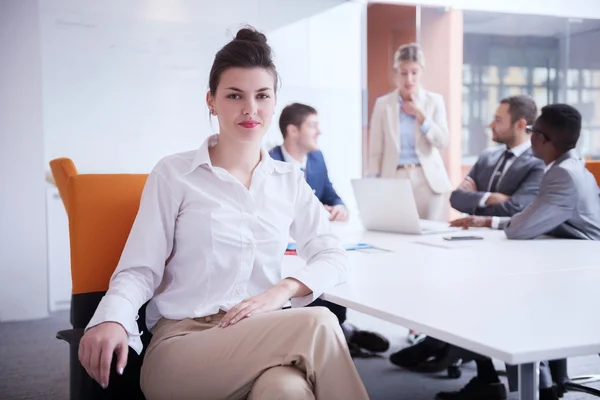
[
  {"x": 321, "y": 316},
  {"x": 286, "y": 391},
  {"x": 281, "y": 383}
]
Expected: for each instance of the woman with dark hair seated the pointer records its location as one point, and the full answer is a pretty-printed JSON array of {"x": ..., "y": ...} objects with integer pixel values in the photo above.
[{"x": 206, "y": 249}]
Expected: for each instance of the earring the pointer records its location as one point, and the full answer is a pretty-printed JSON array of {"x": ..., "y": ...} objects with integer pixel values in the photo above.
[{"x": 212, "y": 112}]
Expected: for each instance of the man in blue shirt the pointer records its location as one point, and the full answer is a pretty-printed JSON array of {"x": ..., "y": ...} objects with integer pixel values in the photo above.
[{"x": 299, "y": 126}]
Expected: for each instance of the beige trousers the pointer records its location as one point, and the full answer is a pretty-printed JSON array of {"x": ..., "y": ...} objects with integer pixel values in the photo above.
[
  {"x": 430, "y": 205},
  {"x": 288, "y": 354}
]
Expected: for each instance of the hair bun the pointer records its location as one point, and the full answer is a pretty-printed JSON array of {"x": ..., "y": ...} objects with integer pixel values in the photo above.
[{"x": 251, "y": 35}]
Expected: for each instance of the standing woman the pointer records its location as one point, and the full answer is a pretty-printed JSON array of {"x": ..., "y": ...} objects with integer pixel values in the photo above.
[
  {"x": 408, "y": 128},
  {"x": 206, "y": 249}
]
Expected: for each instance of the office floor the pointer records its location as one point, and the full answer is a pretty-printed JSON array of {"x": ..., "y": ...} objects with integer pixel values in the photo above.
[{"x": 34, "y": 365}]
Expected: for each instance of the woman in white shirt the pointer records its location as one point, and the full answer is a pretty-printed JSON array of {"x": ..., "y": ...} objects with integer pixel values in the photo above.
[{"x": 206, "y": 248}]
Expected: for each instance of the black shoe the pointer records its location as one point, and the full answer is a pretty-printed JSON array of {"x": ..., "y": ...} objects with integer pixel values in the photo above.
[
  {"x": 357, "y": 352},
  {"x": 413, "y": 356},
  {"x": 370, "y": 341},
  {"x": 549, "y": 394},
  {"x": 476, "y": 390}
]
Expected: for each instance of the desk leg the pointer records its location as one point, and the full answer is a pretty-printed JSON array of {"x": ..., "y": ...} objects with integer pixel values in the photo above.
[{"x": 528, "y": 381}]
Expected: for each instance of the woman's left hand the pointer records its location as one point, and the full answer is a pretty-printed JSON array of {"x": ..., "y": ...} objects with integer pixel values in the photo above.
[{"x": 270, "y": 300}]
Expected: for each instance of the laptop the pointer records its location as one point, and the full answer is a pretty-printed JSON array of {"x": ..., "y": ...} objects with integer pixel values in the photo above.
[{"x": 389, "y": 205}]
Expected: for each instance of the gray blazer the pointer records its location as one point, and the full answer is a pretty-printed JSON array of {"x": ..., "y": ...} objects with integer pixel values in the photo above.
[
  {"x": 521, "y": 181},
  {"x": 568, "y": 205}
]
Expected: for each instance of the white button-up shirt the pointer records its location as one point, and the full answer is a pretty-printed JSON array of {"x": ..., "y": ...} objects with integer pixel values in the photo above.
[{"x": 202, "y": 242}]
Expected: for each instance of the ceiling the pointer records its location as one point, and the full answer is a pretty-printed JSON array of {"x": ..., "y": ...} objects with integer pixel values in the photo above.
[{"x": 491, "y": 23}]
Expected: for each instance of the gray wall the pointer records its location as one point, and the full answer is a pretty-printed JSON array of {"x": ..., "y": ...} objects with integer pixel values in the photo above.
[{"x": 23, "y": 270}]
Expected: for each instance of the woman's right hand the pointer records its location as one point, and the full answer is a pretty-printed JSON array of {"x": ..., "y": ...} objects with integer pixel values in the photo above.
[{"x": 96, "y": 350}]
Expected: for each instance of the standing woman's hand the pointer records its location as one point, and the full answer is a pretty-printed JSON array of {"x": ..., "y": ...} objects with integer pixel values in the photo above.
[{"x": 410, "y": 108}]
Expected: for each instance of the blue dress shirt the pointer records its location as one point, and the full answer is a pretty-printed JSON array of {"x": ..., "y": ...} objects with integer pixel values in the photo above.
[{"x": 406, "y": 130}]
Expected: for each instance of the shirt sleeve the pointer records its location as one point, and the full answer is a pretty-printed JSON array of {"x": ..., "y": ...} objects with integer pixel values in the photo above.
[
  {"x": 326, "y": 260},
  {"x": 141, "y": 266},
  {"x": 425, "y": 125},
  {"x": 483, "y": 199},
  {"x": 500, "y": 222}
]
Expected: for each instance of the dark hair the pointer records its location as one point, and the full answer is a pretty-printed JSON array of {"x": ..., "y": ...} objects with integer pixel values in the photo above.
[
  {"x": 521, "y": 106},
  {"x": 564, "y": 123},
  {"x": 249, "y": 49},
  {"x": 294, "y": 114}
]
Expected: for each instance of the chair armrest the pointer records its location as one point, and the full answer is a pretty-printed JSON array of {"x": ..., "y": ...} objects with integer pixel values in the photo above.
[
  {"x": 71, "y": 336},
  {"x": 575, "y": 387}
]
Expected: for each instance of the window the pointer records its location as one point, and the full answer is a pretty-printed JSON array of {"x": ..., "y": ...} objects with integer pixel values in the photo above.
[{"x": 508, "y": 54}]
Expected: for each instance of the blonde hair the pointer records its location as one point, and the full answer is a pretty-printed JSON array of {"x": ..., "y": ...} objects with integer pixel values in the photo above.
[{"x": 411, "y": 52}]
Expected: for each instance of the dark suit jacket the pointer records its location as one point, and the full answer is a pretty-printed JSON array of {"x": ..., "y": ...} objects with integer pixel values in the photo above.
[
  {"x": 316, "y": 176},
  {"x": 521, "y": 181}
]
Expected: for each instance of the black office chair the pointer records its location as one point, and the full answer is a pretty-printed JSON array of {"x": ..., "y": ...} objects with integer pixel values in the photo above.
[
  {"x": 579, "y": 387},
  {"x": 81, "y": 385},
  {"x": 557, "y": 373},
  {"x": 577, "y": 384},
  {"x": 101, "y": 209}
]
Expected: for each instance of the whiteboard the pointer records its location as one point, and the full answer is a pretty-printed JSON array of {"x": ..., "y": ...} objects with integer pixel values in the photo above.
[
  {"x": 121, "y": 94},
  {"x": 124, "y": 83}
]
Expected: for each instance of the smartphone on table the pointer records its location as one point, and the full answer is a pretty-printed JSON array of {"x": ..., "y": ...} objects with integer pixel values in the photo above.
[{"x": 457, "y": 238}]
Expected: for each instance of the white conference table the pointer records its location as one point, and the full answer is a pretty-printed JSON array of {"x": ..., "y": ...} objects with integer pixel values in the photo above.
[{"x": 517, "y": 301}]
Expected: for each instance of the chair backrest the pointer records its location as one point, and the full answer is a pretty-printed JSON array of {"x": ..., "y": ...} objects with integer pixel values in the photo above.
[
  {"x": 594, "y": 167},
  {"x": 101, "y": 209}
]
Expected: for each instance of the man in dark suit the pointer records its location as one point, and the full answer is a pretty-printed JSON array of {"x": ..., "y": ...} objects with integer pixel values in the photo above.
[
  {"x": 567, "y": 206},
  {"x": 299, "y": 125},
  {"x": 568, "y": 203},
  {"x": 505, "y": 178}
]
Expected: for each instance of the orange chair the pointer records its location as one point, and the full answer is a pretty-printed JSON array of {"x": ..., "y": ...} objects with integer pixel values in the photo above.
[
  {"x": 594, "y": 167},
  {"x": 101, "y": 209}
]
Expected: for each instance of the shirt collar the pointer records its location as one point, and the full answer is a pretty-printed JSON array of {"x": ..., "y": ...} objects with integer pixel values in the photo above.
[
  {"x": 289, "y": 159},
  {"x": 202, "y": 156},
  {"x": 569, "y": 154},
  {"x": 549, "y": 166},
  {"x": 520, "y": 149}
]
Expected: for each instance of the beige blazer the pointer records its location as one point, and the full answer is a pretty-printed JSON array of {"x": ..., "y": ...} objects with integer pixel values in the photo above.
[{"x": 384, "y": 141}]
